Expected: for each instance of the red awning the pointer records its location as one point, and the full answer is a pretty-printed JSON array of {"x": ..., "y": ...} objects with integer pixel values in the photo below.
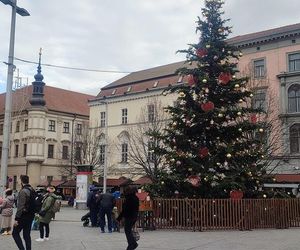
[
  {"x": 54, "y": 183},
  {"x": 290, "y": 178}
]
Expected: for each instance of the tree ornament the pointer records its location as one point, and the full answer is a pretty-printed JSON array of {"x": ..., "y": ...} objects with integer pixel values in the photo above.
[
  {"x": 201, "y": 52},
  {"x": 207, "y": 46},
  {"x": 208, "y": 106},
  {"x": 190, "y": 169},
  {"x": 253, "y": 118},
  {"x": 228, "y": 155},
  {"x": 216, "y": 58},
  {"x": 203, "y": 152},
  {"x": 172, "y": 160},
  {"x": 204, "y": 81},
  {"x": 194, "y": 180},
  {"x": 236, "y": 86},
  {"x": 178, "y": 163},
  {"x": 206, "y": 90},
  {"x": 261, "y": 130},
  {"x": 240, "y": 129},
  {"x": 220, "y": 115},
  {"x": 239, "y": 113},
  {"x": 181, "y": 94},
  {"x": 251, "y": 95},
  {"x": 240, "y": 54},
  {"x": 191, "y": 79},
  {"x": 224, "y": 78}
]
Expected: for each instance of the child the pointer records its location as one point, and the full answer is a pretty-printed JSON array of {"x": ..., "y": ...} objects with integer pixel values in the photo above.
[{"x": 115, "y": 223}]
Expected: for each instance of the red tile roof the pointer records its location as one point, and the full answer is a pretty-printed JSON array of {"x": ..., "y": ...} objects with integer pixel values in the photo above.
[
  {"x": 115, "y": 182},
  {"x": 287, "y": 178},
  {"x": 142, "y": 181},
  {"x": 57, "y": 99},
  {"x": 54, "y": 183}
]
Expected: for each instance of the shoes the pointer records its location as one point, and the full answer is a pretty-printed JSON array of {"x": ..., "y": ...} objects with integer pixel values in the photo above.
[
  {"x": 5, "y": 233},
  {"x": 39, "y": 240},
  {"x": 46, "y": 238}
]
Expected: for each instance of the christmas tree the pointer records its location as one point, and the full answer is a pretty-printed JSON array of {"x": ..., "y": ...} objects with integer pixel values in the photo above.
[{"x": 212, "y": 143}]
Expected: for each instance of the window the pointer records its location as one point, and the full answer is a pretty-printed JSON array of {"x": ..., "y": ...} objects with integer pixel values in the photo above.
[
  {"x": 50, "y": 151},
  {"x": 25, "y": 150},
  {"x": 65, "y": 152},
  {"x": 155, "y": 84},
  {"x": 124, "y": 116},
  {"x": 15, "y": 182},
  {"x": 259, "y": 99},
  {"x": 259, "y": 68},
  {"x": 151, "y": 114},
  {"x": 180, "y": 79},
  {"x": 151, "y": 155},
  {"x": 294, "y": 98},
  {"x": 102, "y": 119},
  {"x": 294, "y": 138},
  {"x": 129, "y": 89},
  {"x": 294, "y": 62},
  {"x": 79, "y": 129},
  {"x": 102, "y": 154},
  {"x": 51, "y": 126},
  {"x": 78, "y": 154},
  {"x": 1, "y": 129},
  {"x": 18, "y": 126},
  {"x": 26, "y": 125},
  {"x": 66, "y": 128},
  {"x": 124, "y": 158},
  {"x": 16, "y": 150},
  {"x": 114, "y": 91}
]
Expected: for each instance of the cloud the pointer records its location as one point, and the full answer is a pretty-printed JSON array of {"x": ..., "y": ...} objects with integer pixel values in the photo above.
[{"x": 124, "y": 35}]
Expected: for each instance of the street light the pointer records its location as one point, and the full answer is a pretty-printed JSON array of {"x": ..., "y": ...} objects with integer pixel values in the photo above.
[
  {"x": 106, "y": 147},
  {"x": 8, "y": 97}
]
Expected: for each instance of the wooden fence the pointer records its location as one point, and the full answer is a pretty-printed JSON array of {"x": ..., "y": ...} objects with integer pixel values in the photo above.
[{"x": 219, "y": 214}]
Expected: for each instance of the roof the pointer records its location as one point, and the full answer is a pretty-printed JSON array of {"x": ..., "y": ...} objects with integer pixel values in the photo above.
[
  {"x": 291, "y": 178},
  {"x": 115, "y": 182},
  {"x": 54, "y": 183},
  {"x": 70, "y": 183},
  {"x": 142, "y": 181},
  {"x": 57, "y": 99},
  {"x": 266, "y": 35}
]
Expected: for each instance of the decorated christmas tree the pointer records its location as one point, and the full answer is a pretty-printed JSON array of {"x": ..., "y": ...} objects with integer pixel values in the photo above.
[{"x": 212, "y": 144}]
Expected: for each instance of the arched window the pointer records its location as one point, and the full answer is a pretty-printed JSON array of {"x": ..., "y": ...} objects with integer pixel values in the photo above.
[
  {"x": 294, "y": 98},
  {"x": 294, "y": 138}
]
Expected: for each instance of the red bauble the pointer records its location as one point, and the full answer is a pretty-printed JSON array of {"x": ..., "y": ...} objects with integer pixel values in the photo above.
[
  {"x": 253, "y": 118},
  {"x": 201, "y": 52},
  {"x": 194, "y": 180},
  {"x": 203, "y": 152},
  {"x": 225, "y": 78},
  {"x": 191, "y": 79},
  {"x": 236, "y": 194},
  {"x": 208, "y": 106}
]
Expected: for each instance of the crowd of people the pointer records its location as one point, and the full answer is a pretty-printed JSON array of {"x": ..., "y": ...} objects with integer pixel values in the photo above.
[{"x": 36, "y": 210}]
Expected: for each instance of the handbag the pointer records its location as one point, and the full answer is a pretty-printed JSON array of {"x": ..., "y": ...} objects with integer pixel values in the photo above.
[{"x": 135, "y": 233}]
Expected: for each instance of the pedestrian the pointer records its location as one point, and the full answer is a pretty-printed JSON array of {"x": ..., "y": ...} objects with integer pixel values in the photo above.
[
  {"x": 107, "y": 202},
  {"x": 93, "y": 205},
  {"x": 47, "y": 213},
  {"x": 24, "y": 215},
  {"x": 130, "y": 210},
  {"x": 7, "y": 212}
]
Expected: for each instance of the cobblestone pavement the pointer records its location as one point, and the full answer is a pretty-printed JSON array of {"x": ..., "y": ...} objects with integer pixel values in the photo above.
[{"x": 67, "y": 233}]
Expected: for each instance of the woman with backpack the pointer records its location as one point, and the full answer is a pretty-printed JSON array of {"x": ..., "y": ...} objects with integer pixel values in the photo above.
[
  {"x": 47, "y": 213},
  {"x": 7, "y": 211}
]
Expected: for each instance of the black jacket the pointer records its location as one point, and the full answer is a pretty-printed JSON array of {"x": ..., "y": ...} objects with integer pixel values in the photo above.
[{"x": 130, "y": 207}]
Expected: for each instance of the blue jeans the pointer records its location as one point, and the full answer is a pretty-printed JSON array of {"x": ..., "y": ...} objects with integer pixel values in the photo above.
[{"x": 105, "y": 211}]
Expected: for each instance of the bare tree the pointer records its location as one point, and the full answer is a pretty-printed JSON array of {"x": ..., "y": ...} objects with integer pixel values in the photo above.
[
  {"x": 144, "y": 140},
  {"x": 87, "y": 148}
]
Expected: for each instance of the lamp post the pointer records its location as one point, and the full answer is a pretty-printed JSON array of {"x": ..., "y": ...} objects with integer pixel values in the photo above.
[
  {"x": 106, "y": 147},
  {"x": 8, "y": 97}
]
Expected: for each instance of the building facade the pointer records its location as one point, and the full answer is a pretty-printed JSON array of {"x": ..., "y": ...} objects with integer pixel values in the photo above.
[
  {"x": 45, "y": 121},
  {"x": 271, "y": 60}
]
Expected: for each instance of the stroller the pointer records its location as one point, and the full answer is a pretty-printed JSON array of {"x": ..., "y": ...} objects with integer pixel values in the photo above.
[{"x": 86, "y": 219}]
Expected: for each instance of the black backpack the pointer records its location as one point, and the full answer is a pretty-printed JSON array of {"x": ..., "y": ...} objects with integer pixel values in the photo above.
[{"x": 33, "y": 202}]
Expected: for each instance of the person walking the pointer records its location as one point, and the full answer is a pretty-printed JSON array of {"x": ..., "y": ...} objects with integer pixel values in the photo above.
[
  {"x": 47, "y": 213},
  {"x": 93, "y": 205},
  {"x": 130, "y": 210},
  {"x": 7, "y": 212},
  {"x": 107, "y": 202},
  {"x": 24, "y": 215}
]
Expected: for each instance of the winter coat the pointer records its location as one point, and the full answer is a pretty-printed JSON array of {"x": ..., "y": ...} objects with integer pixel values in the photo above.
[
  {"x": 23, "y": 201},
  {"x": 47, "y": 206},
  {"x": 7, "y": 206},
  {"x": 130, "y": 208},
  {"x": 107, "y": 200}
]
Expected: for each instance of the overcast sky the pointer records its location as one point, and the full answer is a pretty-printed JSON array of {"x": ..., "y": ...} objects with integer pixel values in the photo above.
[{"x": 121, "y": 35}]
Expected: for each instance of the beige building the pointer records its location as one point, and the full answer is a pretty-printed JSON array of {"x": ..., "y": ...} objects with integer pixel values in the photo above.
[
  {"x": 271, "y": 60},
  {"x": 45, "y": 121}
]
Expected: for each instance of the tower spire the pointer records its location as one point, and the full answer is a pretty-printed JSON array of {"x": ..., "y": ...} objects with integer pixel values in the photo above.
[{"x": 39, "y": 76}]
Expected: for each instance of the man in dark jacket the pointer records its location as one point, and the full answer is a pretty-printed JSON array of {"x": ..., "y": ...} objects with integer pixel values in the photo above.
[
  {"x": 107, "y": 202},
  {"x": 130, "y": 210},
  {"x": 92, "y": 204},
  {"x": 24, "y": 216}
]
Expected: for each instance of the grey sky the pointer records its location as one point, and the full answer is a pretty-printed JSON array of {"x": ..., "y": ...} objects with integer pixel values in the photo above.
[{"x": 123, "y": 35}]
